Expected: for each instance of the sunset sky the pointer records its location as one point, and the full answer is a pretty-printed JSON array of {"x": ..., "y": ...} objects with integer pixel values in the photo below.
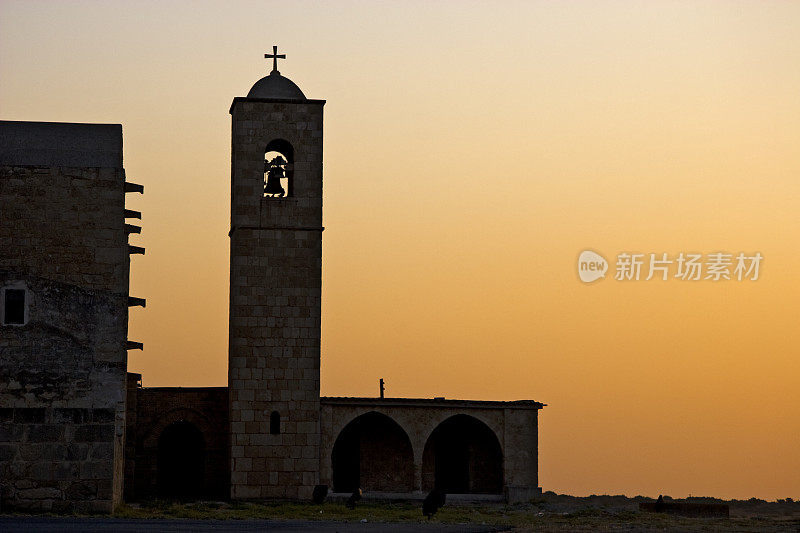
[{"x": 472, "y": 151}]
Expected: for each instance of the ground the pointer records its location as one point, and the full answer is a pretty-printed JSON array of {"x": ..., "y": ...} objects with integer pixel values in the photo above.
[{"x": 550, "y": 512}]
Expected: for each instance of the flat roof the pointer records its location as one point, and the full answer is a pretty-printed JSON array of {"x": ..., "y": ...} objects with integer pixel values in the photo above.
[{"x": 431, "y": 402}]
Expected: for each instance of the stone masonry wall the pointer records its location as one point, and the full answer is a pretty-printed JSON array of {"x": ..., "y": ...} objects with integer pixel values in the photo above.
[
  {"x": 62, "y": 374},
  {"x": 151, "y": 410},
  {"x": 275, "y": 300}
]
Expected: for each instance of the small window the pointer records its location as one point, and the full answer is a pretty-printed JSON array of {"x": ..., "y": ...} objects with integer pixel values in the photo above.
[
  {"x": 13, "y": 307},
  {"x": 274, "y": 423}
]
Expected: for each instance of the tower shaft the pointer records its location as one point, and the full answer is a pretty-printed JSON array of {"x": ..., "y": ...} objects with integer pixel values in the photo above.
[{"x": 275, "y": 300}]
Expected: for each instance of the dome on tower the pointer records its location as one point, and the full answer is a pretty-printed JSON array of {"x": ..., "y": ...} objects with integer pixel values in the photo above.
[{"x": 276, "y": 86}]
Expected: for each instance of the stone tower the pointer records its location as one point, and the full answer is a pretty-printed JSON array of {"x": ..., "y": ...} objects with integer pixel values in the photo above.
[
  {"x": 275, "y": 290},
  {"x": 64, "y": 272}
]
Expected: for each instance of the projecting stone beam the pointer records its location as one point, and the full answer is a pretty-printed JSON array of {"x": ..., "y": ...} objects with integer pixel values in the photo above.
[
  {"x": 136, "y": 302},
  {"x": 135, "y": 250},
  {"x": 130, "y": 213},
  {"x": 133, "y": 345},
  {"x": 134, "y": 187}
]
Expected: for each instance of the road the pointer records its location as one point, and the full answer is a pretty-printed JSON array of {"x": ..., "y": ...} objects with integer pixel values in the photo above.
[{"x": 121, "y": 525}]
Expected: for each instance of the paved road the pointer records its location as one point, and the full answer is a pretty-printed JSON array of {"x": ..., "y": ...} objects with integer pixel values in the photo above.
[{"x": 79, "y": 525}]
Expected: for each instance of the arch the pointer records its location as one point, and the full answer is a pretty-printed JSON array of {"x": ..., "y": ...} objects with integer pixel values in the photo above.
[
  {"x": 284, "y": 148},
  {"x": 181, "y": 414},
  {"x": 461, "y": 456},
  {"x": 274, "y": 423},
  {"x": 374, "y": 453},
  {"x": 147, "y": 466},
  {"x": 181, "y": 461}
]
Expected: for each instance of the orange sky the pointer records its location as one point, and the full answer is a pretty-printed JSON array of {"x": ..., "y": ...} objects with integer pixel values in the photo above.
[{"x": 472, "y": 150}]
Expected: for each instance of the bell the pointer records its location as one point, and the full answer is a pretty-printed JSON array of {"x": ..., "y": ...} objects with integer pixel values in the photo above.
[{"x": 273, "y": 187}]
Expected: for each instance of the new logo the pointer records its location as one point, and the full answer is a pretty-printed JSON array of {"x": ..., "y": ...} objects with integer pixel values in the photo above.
[{"x": 591, "y": 266}]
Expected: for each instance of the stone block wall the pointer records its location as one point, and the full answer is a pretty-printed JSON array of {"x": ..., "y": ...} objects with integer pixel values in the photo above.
[
  {"x": 275, "y": 303},
  {"x": 62, "y": 373},
  {"x": 521, "y": 436}
]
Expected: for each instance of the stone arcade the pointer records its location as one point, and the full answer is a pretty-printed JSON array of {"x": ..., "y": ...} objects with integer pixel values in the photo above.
[{"x": 76, "y": 434}]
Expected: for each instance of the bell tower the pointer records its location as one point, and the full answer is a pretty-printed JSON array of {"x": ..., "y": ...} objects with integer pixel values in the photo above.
[{"x": 275, "y": 290}]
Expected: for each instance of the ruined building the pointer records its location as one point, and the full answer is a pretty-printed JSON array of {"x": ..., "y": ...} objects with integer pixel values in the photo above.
[{"x": 68, "y": 410}]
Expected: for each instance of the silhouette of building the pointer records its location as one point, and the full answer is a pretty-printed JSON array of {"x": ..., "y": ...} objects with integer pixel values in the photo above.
[{"x": 269, "y": 434}]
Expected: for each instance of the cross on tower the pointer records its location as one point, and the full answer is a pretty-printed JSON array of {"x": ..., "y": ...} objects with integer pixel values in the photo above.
[{"x": 275, "y": 57}]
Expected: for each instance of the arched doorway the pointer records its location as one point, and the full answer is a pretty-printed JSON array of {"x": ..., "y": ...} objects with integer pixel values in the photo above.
[
  {"x": 181, "y": 461},
  {"x": 463, "y": 456},
  {"x": 373, "y": 453}
]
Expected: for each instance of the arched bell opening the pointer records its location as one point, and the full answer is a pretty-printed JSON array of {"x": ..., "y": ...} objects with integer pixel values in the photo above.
[
  {"x": 181, "y": 462},
  {"x": 278, "y": 169},
  {"x": 373, "y": 453},
  {"x": 463, "y": 456}
]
